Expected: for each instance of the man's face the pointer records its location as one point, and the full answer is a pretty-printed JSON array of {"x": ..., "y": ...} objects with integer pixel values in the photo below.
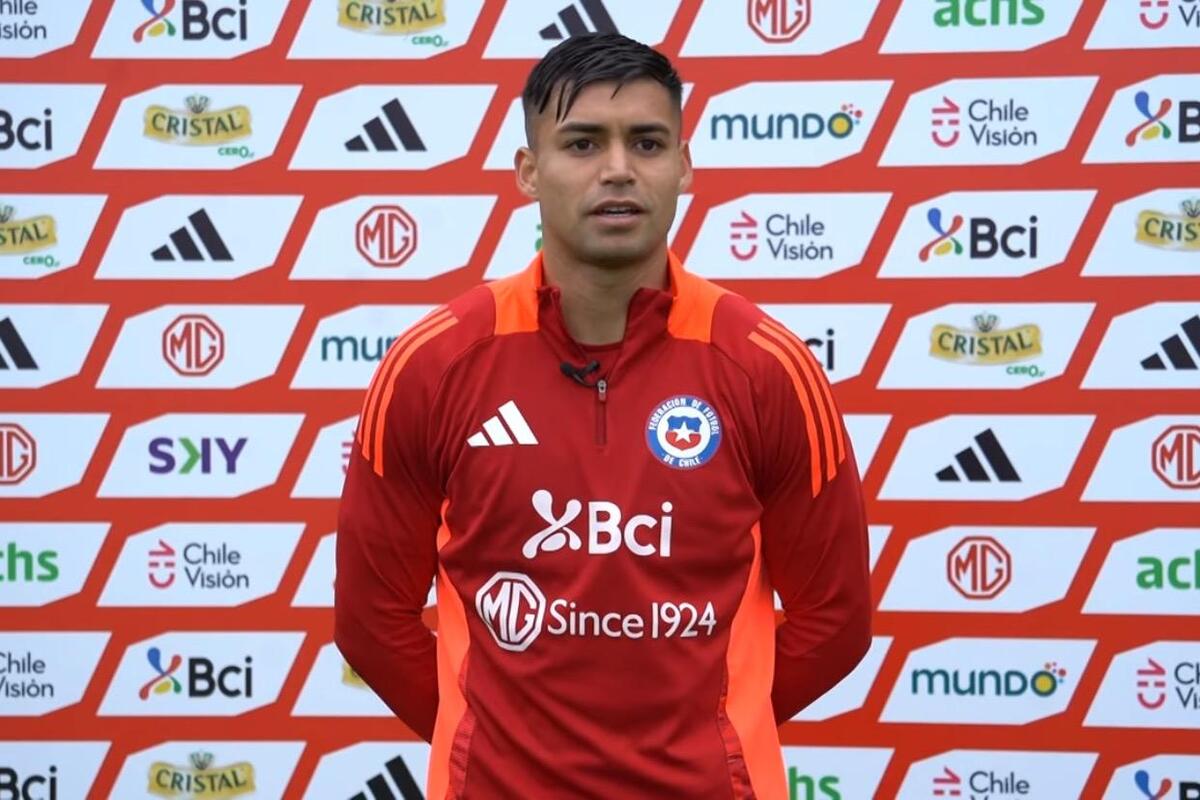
[{"x": 608, "y": 175}]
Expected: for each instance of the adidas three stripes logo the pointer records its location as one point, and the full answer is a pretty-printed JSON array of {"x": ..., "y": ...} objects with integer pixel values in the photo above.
[
  {"x": 380, "y": 789},
  {"x": 379, "y": 136},
  {"x": 572, "y": 20},
  {"x": 508, "y": 427},
  {"x": 1176, "y": 351},
  {"x": 186, "y": 245},
  {"x": 968, "y": 461},
  {"x": 13, "y": 346}
]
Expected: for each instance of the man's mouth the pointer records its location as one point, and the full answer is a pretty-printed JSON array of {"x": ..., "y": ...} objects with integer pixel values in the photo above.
[{"x": 618, "y": 210}]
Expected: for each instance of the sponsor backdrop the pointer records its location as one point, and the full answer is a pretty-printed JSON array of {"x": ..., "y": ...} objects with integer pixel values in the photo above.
[{"x": 982, "y": 215}]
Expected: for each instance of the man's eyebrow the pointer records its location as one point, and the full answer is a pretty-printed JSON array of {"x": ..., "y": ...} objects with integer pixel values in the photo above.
[{"x": 595, "y": 128}]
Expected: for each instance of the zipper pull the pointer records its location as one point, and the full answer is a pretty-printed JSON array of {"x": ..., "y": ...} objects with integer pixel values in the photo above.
[{"x": 602, "y": 389}]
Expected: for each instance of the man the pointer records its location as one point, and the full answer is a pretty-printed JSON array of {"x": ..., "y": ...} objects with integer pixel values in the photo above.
[{"x": 609, "y": 464}]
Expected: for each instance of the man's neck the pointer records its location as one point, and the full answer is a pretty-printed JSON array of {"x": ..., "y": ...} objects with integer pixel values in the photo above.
[{"x": 595, "y": 300}]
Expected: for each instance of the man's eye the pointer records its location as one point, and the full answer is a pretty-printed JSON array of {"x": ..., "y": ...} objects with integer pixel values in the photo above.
[
  {"x": 580, "y": 145},
  {"x": 649, "y": 145}
]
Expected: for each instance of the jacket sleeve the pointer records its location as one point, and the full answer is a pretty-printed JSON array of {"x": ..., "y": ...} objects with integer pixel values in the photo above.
[
  {"x": 386, "y": 548},
  {"x": 813, "y": 527}
]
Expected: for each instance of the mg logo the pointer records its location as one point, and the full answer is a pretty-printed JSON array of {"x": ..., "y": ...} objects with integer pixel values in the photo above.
[
  {"x": 979, "y": 567},
  {"x": 779, "y": 20},
  {"x": 18, "y": 454},
  {"x": 193, "y": 345},
  {"x": 386, "y": 236},
  {"x": 513, "y": 608},
  {"x": 1175, "y": 457}
]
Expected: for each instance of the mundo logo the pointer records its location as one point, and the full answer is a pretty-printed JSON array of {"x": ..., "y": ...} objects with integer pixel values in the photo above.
[{"x": 987, "y": 681}]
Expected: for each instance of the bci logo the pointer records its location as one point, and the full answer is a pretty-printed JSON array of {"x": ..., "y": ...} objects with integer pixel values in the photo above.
[
  {"x": 1188, "y": 790},
  {"x": 198, "y": 21},
  {"x": 29, "y": 133},
  {"x": 164, "y": 459},
  {"x": 200, "y": 678},
  {"x": 605, "y": 533},
  {"x": 985, "y": 238},
  {"x": 193, "y": 345},
  {"x": 15, "y": 786}
]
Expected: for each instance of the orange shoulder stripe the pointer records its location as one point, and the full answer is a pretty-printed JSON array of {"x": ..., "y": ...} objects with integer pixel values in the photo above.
[
  {"x": 371, "y": 399},
  {"x": 379, "y": 394},
  {"x": 774, "y": 350},
  {"x": 695, "y": 303},
  {"x": 516, "y": 300},
  {"x": 815, "y": 372}
]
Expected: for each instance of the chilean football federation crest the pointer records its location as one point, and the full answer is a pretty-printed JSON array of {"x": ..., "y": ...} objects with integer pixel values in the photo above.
[{"x": 683, "y": 432}]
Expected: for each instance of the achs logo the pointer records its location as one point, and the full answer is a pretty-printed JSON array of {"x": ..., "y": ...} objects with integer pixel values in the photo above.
[
  {"x": 379, "y": 135},
  {"x": 986, "y": 344},
  {"x": 1175, "y": 456},
  {"x": 163, "y": 459},
  {"x": 574, "y": 23},
  {"x": 19, "y": 237},
  {"x": 201, "y": 778},
  {"x": 777, "y": 21},
  {"x": 164, "y": 681},
  {"x": 972, "y": 467},
  {"x": 160, "y": 566},
  {"x": 13, "y": 345},
  {"x": 785, "y": 126},
  {"x": 193, "y": 344},
  {"x": 18, "y": 454},
  {"x": 513, "y": 608},
  {"x": 197, "y": 126},
  {"x": 956, "y": 13},
  {"x": 683, "y": 432},
  {"x": 391, "y": 17},
  {"x": 988, "y": 682},
  {"x": 185, "y": 245},
  {"x": 1177, "y": 352},
  {"x": 1154, "y": 228},
  {"x": 979, "y": 567},
  {"x": 386, "y": 236},
  {"x": 198, "y": 23},
  {"x": 605, "y": 534},
  {"x": 1152, "y": 685}
]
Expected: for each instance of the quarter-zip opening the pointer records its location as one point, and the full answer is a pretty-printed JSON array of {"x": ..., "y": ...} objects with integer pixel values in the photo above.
[{"x": 602, "y": 411}]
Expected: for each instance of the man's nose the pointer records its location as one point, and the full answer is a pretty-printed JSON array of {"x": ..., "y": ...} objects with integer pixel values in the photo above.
[{"x": 618, "y": 166}]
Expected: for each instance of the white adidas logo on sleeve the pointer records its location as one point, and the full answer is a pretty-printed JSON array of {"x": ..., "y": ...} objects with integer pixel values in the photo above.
[{"x": 495, "y": 433}]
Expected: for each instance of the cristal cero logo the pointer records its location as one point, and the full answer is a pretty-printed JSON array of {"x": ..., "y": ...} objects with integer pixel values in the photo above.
[
  {"x": 605, "y": 531},
  {"x": 1175, "y": 456},
  {"x": 193, "y": 345},
  {"x": 386, "y": 236},
  {"x": 777, "y": 21},
  {"x": 979, "y": 567},
  {"x": 18, "y": 454},
  {"x": 683, "y": 432},
  {"x": 513, "y": 609}
]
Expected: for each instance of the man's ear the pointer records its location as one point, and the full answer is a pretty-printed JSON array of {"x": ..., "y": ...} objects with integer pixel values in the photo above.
[
  {"x": 685, "y": 178},
  {"x": 525, "y": 166}
]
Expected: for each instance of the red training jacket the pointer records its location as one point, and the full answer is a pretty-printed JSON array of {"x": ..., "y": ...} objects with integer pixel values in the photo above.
[{"x": 605, "y": 546}]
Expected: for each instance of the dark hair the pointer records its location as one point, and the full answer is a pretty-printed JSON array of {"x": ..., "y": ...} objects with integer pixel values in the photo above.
[{"x": 594, "y": 58}]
